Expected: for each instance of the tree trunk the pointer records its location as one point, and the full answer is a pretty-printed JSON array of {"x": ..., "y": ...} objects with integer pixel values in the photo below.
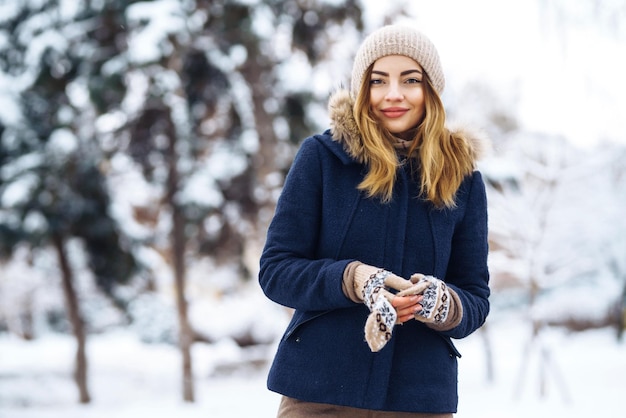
[
  {"x": 185, "y": 334},
  {"x": 484, "y": 331},
  {"x": 621, "y": 321},
  {"x": 73, "y": 313},
  {"x": 177, "y": 245}
]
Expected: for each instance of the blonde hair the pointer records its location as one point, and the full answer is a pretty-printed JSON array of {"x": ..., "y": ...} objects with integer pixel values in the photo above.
[{"x": 445, "y": 158}]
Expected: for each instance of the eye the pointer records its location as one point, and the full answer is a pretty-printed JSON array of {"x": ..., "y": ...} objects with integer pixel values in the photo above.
[
  {"x": 413, "y": 80},
  {"x": 376, "y": 81}
]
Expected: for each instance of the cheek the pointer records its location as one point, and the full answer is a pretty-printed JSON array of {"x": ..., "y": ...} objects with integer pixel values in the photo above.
[
  {"x": 372, "y": 101},
  {"x": 418, "y": 100},
  {"x": 376, "y": 97},
  {"x": 373, "y": 108}
]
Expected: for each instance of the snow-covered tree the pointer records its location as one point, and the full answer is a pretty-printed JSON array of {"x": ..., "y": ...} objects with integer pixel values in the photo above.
[
  {"x": 52, "y": 188},
  {"x": 555, "y": 236},
  {"x": 177, "y": 118}
]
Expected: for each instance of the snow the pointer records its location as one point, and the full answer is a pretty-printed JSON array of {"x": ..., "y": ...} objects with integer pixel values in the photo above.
[
  {"x": 296, "y": 72},
  {"x": 10, "y": 113},
  {"x": 18, "y": 191},
  {"x": 164, "y": 17},
  {"x": 62, "y": 142},
  {"x": 202, "y": 189},
  {"x": 584, "y": 376}
]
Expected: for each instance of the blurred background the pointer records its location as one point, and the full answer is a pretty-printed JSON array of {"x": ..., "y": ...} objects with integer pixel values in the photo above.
[{"x": 143, "y": 145}]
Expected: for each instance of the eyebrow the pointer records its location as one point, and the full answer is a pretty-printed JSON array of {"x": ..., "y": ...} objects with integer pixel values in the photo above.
[{"x": 403, "y": 73}]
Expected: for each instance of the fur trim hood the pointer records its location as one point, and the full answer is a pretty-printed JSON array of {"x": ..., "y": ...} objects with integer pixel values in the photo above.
[{"x": 345, "y": 131}]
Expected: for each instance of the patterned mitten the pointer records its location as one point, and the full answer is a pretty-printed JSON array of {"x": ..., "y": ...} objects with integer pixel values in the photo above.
[
  {"x": 436, "y": 301},
  {"x": 373, "y": 283}
]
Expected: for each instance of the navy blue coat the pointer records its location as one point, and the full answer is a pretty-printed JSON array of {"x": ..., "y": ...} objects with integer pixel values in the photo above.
[{"x": 321, "y": 224}]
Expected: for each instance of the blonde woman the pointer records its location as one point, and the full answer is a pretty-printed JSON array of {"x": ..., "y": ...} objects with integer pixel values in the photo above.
[{"x": 379, "y": 244}]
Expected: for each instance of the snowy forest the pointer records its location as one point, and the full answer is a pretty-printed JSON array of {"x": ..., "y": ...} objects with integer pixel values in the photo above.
[{"x": 143, "y": 145}]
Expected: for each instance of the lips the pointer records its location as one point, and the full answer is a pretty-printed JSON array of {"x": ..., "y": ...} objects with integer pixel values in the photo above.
[{"x": 394, "y": 112}]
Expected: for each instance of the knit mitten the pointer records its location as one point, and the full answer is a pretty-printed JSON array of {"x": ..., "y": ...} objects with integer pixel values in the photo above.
[
  {"x": 372, "y": 284},
  {"x": 436, "y": 299}
]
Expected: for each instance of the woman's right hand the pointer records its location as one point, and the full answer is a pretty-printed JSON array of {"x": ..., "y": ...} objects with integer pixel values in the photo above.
[{"x": 406, "y": 307}]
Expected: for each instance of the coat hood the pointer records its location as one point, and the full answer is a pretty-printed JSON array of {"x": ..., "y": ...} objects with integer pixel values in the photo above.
[{"x": 345, "y": 131}]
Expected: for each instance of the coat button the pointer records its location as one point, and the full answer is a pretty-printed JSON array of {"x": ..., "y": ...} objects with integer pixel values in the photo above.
[{"x": 297, "y": 339}]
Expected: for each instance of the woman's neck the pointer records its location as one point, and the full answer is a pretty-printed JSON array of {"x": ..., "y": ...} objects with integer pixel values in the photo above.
[
  {"x": 406, "y": 135},
  {"x": 404, "y": 141}
]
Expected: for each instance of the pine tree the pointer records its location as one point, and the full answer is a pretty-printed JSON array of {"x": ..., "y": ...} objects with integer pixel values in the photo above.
[
  {"x": 190, "y": 97},
  {"x": 52, "y": 187},
  {"x": 211, "y": 78}
]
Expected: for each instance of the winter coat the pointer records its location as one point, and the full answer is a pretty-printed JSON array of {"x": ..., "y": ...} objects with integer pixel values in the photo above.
[{"x": 321, "y": 224}]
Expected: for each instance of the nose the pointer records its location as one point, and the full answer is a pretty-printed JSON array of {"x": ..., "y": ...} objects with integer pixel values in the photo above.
[{"x": 394, "y": 93}]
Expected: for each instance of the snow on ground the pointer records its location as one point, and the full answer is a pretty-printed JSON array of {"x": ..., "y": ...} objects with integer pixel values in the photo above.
[{"x": 585, "y": 375}]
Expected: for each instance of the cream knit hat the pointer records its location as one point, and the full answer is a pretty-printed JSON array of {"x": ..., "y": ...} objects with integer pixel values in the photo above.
[{"x": 397, "y": 40}]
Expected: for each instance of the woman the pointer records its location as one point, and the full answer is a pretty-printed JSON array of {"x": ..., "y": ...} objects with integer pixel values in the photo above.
[{"x": 382, "y": 221}]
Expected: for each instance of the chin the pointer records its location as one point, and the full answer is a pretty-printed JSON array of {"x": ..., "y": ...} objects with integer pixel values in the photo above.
[{"x": 397, "y": 131}]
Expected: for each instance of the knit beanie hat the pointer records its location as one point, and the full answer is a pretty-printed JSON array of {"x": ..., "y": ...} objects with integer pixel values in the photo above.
[{"x": 397, "y": 40}]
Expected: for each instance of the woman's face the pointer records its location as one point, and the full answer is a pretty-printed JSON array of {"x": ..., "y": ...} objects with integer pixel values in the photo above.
[{"x": 397, "y": 93}]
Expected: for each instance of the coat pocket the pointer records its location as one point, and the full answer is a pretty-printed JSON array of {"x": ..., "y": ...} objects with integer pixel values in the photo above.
[
  {"x": 453, "y": 350},
  {"x": 301, "y": 318}
]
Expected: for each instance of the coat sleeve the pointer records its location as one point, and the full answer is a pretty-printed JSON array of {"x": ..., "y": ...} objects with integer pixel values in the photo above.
[
  {"x": 467, "y": 271},
  {"x": 291, "y": 273}
]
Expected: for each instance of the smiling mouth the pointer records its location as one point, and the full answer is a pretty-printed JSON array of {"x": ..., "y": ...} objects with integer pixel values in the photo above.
[{"x": 394, "y": 112}]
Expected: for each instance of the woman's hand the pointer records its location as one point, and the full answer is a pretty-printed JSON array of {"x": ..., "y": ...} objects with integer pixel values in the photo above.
[{"x": 406, "y": 307}]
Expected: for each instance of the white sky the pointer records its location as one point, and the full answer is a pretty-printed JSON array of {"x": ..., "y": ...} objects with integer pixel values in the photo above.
[{"x": 566, "y": 75}]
